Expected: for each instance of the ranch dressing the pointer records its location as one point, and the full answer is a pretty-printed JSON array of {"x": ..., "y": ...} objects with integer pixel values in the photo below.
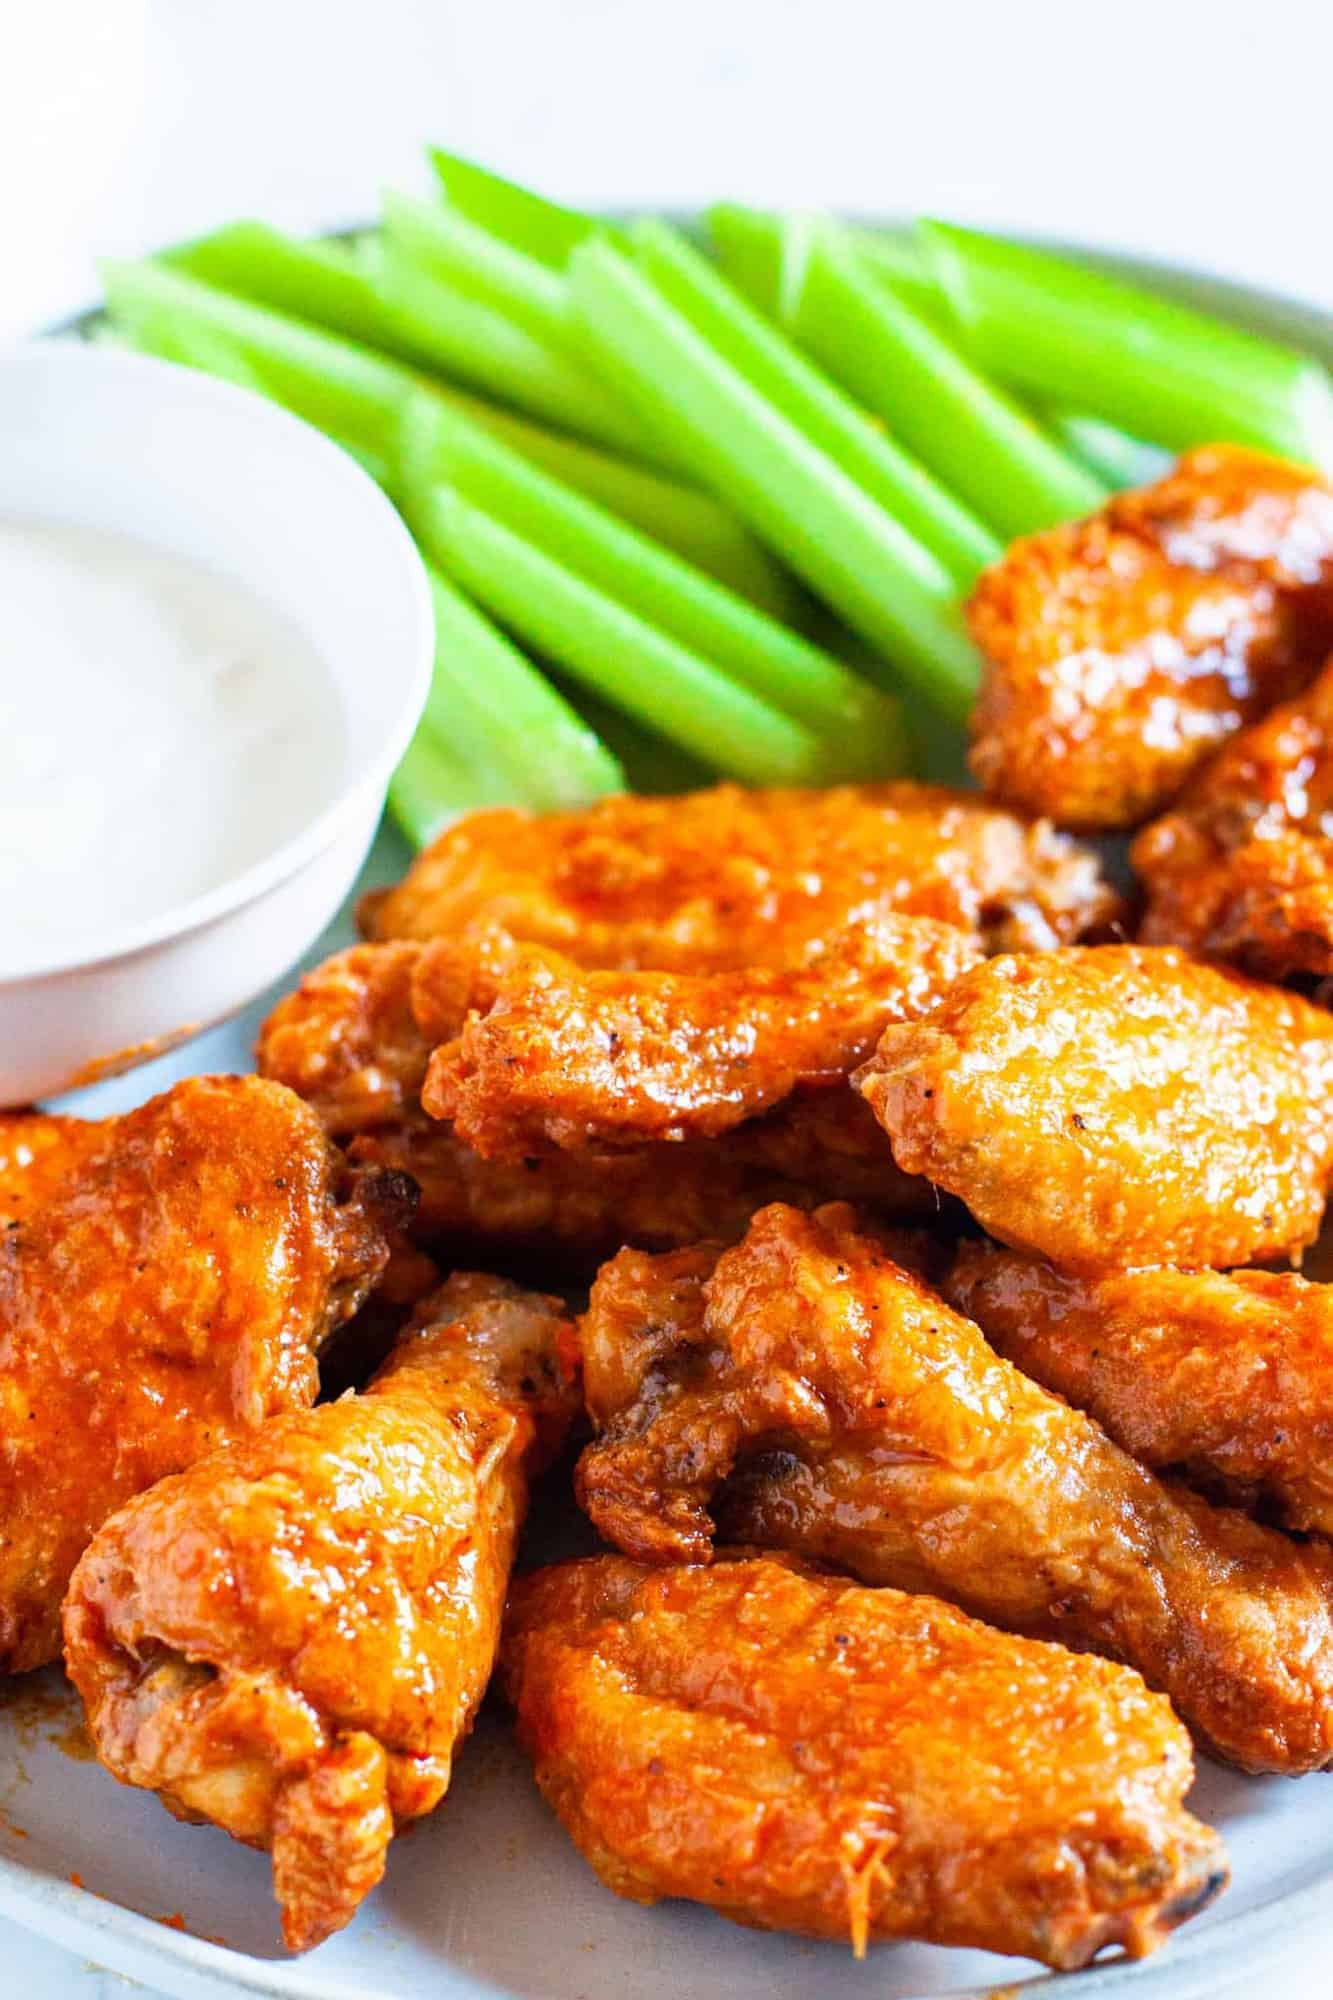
[{"x": 161, "y": 729}]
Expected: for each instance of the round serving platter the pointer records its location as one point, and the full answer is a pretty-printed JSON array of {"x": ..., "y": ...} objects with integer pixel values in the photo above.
[{"x": 488, "y": 1897}]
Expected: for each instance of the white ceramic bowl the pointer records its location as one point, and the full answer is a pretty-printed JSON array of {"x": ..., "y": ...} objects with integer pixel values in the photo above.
[{"x": 210, "y": 472}]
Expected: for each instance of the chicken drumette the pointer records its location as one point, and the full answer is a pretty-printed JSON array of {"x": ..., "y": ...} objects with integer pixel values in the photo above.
[
  {"x": 1226, "y": 1377},
  {"x": 291, "y": 1638},
  {"x": 817, "y": 1397},
  {"x": 1117, "y": 1106},
  {"x": 724, "y": 880},
  {"x": 166, "y": 1280},
  {"x": 1121, "y": 651},
  {"x": 806, "y": 1755}
]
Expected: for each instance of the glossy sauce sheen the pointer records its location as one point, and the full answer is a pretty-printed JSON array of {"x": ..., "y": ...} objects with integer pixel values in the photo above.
[{"x": 161, "y": 729}]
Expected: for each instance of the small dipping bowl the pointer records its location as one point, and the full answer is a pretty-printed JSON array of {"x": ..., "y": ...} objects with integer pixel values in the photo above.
[{"x": 203, "y": 470}]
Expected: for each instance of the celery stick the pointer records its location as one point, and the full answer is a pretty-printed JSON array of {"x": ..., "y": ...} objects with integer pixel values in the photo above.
[
  {"x": 540, "y": 228},
  {"x": 845, "y": 545},
  {"x": 432, "y": 786},
  {"x": 488, "y": 351},
  {"x": 1119, "y": 460},
  {"x": 1153, "y": 368},
  {"x": 935, "y": 525},
  {"x": 747, "y": 243},
  {"x": 332, "y": 382},
  {"x": 321, "y": 281},
  {"x": 484, "y": 267},
  {"x": 651, "y": 764},
  {"x": 969, "y": 434},
  {"x": 496, "y": 712},
  {"x": 796, "y": 677},
  {"x": 628, "y": 662},
  {"x": 175, "y": 339},
  {"x": 355, "y": 395}
]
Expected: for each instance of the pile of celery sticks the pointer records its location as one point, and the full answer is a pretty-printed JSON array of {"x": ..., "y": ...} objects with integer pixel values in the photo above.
[{"x": 689, "y": 515}]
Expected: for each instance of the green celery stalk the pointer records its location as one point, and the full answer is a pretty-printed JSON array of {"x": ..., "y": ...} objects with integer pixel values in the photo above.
[
  {"x": 975, "y": 439},
  {"x": 491, "y": 353},
  {"x": 1155, "y": 369},
  {"x": 680, "y": 517},
  {"x": 322, "y": 281},
  {"x": 496, "y": 712},
  {"x": 607, "y": 647},
  {"x": 335, "y": 384},
  {"x": 1119, "y": 460},
  {"x": 748, "y": 245},
  {"x": 175, "y": 339},
  {"x": 898, "y": 260},
  {"x": 356, "y": 396},
  {"x": 432, "y": 786},
  {"x": 651, "y": 764},
  {"x": 482, "y": 266},
  {"x": 529, "y": 222},
  {"x": 827, "y": 526},
  {"x": 935, "y": 524},
  {"x": 440, "y": 446}
]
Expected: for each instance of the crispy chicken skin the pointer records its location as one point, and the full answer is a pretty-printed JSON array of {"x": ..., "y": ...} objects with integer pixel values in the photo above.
[
  {"x": 726, "y": 879},
  {"x": 166, "y": 1280},
  {"x": 355, "y": 1039},
  {"x": 1242, "y": 868},
  {"x": 805, "y": 1755},
  {"x": 1117, "y": 1106},
  {"x": 1227, "y": 1378},
  {"x": 1121, "y": 651},
  {"x": 291, "y": 1638},
  {"x": 819, "y": 1398},
  {"x": 587, "y": 1060}
]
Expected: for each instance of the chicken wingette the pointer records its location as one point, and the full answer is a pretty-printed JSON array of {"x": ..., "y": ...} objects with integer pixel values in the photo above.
[
  {"x": 805, "y": 1755},
  {"x": 1117, "y": 1106},
  {"x": 804, "y": 1391},
  {"x": 726, "y": 879}
]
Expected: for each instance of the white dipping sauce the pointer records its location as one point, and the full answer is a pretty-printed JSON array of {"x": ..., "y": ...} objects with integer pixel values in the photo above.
[{"x": 160, "y": 730}]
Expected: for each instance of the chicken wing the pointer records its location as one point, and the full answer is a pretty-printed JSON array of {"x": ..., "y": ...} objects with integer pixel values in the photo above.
[
  {"x": 724, "y": 880},
  {"x": 1242, "y": 868},
  {"x": 1228, "y": 1378},
  {"x": 857, "y": 1420},
  {"x": 1121, "y": 651},
  {"x": 1117, "y": 1106},
  {"x": 291, "y": 1638},
  {"x": 166, "y": 1280},
  {"x": 355, "y": 1039},
  {"x": 805, "y": 1755},
  {"x": 587, "y": 1060}
]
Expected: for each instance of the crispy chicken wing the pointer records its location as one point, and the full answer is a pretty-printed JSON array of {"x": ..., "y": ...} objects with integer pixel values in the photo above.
[
  {"x": 166, "y": 1279},
  {"x": 724, "y": 880},
  {"x": 1228, "y": 1378},
  {"x": 1121, "y": 651},
  {"x": 1242, "y": 868},
  {"x": 857, "y": 1420},
  {"x": 588, "y": 1060},
  {"x": 805, "y": 1755},
  {"x": 291, "y": 1638},
  {"x": 355, "y": 1039},
  {"x": 1117, "y": 1106}
]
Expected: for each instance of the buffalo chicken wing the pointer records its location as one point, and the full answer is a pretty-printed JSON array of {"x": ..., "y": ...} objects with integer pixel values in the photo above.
[
  {"x": 166, "y": 1281},
  {"x": 291, "y": 1638},
  {"x": 805, "y": 1391},
  {"x": 805, "y": 1755},
  {"x": 1117, "y": 1106}
]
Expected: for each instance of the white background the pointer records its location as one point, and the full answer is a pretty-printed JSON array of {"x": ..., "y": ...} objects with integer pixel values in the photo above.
[{"x": 1176, "y": 127}]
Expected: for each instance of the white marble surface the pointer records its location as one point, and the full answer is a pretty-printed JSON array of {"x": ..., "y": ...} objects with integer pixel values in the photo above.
[{"x": 1184, "y": 129}]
